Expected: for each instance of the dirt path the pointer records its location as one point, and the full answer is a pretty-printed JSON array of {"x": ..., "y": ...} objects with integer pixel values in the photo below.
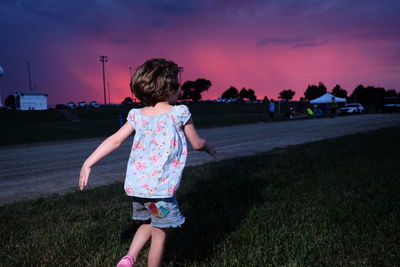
[{"x": 32, "y": 171}]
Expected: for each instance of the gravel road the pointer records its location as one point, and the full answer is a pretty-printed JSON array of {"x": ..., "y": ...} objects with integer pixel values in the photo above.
[{"x": 36, "y": 170}]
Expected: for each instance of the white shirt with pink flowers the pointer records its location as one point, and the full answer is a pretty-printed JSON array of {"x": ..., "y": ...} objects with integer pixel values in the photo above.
[{"x": 158, "y": 153}]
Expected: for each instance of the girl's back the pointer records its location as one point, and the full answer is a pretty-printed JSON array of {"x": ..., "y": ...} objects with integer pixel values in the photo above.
[{"x": 158, "y": 152}]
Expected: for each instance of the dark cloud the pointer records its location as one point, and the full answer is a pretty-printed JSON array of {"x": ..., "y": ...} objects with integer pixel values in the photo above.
[
  {"x": 365, "y": 20},
  {"x": 95, "y": 17},
  {"x": 161, "y": 7},
  {"x": 290, "y": 42},
  {"x": 278, "y": 41},
  {"x": 309, "y": 44},
  {"x": 72, "y": 15},
  {"x": 57, "y": 10},
  {"x": 158, "y": 23},
  {"x": 294, "y": 7},
  {"x": 120, "y": 41},
  {"x": 125, "y": 41}
]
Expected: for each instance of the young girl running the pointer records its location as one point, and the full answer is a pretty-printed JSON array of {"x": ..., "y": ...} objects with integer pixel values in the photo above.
[{"x": 157, "y": 157}]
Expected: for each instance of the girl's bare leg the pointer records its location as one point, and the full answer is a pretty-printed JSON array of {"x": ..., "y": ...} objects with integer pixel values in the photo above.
[
  {"x": 158, "y": 237},
  {"x": 142, "y": 234}
]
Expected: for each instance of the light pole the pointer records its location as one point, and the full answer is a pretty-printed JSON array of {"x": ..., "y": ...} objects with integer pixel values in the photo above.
[
  {"x": 104, "y": 59},
  {"x": 29, "y": 74},
  {"x": 109, "y": 93},
  {"x": 180, "y": 74}
]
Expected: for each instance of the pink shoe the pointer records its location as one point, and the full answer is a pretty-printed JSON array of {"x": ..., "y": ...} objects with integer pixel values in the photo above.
[{"x": 126, "y": 261}]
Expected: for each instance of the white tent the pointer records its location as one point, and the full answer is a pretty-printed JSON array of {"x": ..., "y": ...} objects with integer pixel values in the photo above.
[{"x": 327, "y": 98}]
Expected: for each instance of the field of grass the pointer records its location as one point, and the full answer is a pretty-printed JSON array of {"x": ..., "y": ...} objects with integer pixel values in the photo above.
[
  {"x": 20, "y": 127},
  {"x": 328, "y": 203}
]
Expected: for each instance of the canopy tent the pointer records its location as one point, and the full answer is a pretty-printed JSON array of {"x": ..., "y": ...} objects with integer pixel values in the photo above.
[{"x": 327, "y": 98}]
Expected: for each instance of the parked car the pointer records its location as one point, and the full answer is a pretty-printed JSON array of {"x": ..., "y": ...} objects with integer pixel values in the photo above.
[
  {"x": 391, "y": 108},
  {"x": 82, "y": 104},
  {"x": 352, "y": 108},
  {"x": 94, "y": 104},
  {"x": 71, "y": 105},
  {"x": 226, "y": 100},
  {"x": 113, "y": 105}
]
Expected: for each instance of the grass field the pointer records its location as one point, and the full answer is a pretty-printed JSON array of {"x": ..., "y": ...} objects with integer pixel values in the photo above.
[
  {"x": 328, "y": 203},
  {"x": 20, "y": 127}
]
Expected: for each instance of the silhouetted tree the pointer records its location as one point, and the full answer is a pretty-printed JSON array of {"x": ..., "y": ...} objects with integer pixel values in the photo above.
[
  {"x": 247, "y": 94},
  {"x": 338, "y": 91},
  {"x": 193, "y": 89},
  {"x": 391, "y": 93},
  {"x": 314, "y": 91},
  {"x": 251, "y": 94},
  {"x": 243, "y": 94},
  {"x": 368, "y": 95},
  {"x": 185, "y": 90},
  {"x": 357, "y": 92},
  {"x": 127, "y": 101},
  {"x": 10, "y": 101},
  {"x": 287, "y": 94},
  {"x": 232, "y": 92},
  {"x": 265, "y": 100}
]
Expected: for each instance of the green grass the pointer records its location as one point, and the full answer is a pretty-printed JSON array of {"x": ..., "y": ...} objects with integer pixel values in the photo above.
[
  {"x": 21, "y": 127},
  {"x": 329, "y": 203},
  {"x": 30, "y": 132}
]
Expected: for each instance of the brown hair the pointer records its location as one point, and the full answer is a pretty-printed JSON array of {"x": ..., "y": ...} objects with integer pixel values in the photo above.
[{"x": 154, "y": 80}]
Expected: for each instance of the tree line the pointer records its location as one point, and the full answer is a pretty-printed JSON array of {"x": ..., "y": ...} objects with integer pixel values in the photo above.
[
  {"x": 361, "y": 94},
  {"x": 233, "y": 93},
  {"x": 192, "y": 90}
]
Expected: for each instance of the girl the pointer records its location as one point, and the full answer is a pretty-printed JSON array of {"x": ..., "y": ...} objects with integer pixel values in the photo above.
[{"x": 157, "y": 157}]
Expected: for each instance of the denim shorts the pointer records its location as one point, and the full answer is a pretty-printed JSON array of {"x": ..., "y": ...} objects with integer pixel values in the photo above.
[{"x": 163, "y": 212}]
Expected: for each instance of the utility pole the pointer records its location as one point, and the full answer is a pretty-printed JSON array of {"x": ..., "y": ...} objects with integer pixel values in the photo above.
[
  {"x": 104, "y": 59},
  {"x": 180, "y": 74},
  {"x": 29, "y": 75},
  {"x": 130, "y": 79},
  {"x": 109, "y": 93}
]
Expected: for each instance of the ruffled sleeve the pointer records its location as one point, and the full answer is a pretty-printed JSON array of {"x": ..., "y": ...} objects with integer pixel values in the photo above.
[
  {"x": 131, "y": 118},
  {"x": 183, "y": 114}
]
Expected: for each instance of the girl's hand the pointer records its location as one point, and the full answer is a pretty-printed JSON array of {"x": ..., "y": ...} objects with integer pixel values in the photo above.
[
  {"x": 84, "y": 177},
  {"x": 105, "y": 148}
]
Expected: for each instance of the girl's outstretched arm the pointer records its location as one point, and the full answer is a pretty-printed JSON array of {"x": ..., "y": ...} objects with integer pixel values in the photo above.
[
  {"x": 105, "y": 148},
  {"x": 196, "y": 141}
]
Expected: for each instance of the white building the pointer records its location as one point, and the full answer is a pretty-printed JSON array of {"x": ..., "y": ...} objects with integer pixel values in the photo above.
[{"x": 28, "y": 100}]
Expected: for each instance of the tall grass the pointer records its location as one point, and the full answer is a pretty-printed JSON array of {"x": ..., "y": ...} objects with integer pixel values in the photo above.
[{"x": 327, "y": 203}]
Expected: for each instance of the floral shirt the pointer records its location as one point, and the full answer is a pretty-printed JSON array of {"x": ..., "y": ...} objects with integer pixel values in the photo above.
[{"x": 158, "y": 153}]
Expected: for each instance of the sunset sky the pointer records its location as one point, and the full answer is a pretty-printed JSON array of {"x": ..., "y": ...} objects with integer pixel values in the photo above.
[{"x": 266, "y": 45}]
